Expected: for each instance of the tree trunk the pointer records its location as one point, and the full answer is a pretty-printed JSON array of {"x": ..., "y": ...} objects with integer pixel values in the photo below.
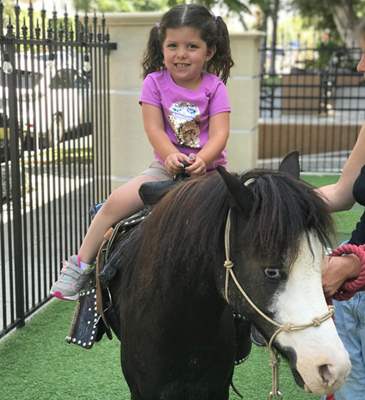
[{"x": 345, "y": 20}]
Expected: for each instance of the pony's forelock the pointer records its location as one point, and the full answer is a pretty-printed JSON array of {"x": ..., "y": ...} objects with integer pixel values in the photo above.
[{"x": 285, "y": 209}]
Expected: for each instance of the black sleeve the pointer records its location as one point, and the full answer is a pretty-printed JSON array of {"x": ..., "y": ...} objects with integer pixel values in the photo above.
[
  {"x": 358, "y": 234},
  {"x": 358, "y": 189}
]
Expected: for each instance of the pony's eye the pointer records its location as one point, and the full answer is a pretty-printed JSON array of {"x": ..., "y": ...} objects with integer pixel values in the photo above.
[{"x": 273, "y": 273}]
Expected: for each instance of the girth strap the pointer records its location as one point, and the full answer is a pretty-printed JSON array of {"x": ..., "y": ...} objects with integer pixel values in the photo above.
[{"x": 104, "y": 252}]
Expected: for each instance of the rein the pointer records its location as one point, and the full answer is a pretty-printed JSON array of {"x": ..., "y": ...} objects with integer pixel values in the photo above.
[{"x": 287, "y": 327}]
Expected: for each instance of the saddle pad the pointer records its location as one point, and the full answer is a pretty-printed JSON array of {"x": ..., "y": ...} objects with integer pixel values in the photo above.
[
  {"x": 243, "y": 340},
  {"x": 85, "y": 323}
]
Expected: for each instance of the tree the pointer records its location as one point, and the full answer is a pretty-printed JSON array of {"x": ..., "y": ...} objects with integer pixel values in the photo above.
[
  {"x": 340, "y": 16},
  {"x": 84, "y": 5},
  {"x": 238, "y": 7},
  {"x": 119, "y": 5}
]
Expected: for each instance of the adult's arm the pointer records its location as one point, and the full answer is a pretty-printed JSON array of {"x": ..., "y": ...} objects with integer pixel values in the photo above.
[
  {"x": 339, "y": 195},
  {"x": 337, "y": 270}
]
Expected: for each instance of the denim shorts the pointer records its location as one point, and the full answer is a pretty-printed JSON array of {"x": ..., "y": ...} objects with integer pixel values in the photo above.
[{"x": 350, "y": 324}]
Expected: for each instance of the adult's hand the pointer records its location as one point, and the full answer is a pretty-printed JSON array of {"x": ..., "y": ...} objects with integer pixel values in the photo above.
[{"x": 338, "y": 269}]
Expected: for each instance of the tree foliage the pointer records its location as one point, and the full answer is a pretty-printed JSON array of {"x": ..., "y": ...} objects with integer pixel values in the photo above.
[
  {"x": 232, "y": 6},
  {"x": 119, "y": 5},
  {"x": 339, "y": 16},
  {"x": 237, "y": 7}
]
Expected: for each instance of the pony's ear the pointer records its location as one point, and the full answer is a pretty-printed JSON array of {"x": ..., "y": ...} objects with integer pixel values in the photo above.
[
  {"x": 240, "y": 195},
  {"x": 290, "y": 164}
]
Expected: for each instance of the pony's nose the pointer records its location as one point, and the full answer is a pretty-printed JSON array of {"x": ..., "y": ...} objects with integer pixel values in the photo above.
[
  {"x": 325, "y": 374},
  {"x": 330, "y": 377}
]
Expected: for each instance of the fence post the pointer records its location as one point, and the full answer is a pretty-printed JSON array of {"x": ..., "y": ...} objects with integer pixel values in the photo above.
[{"x": 15, "y": 178}]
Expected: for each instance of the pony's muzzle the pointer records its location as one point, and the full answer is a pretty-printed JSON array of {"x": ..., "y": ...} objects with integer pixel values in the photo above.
[{"x": 331, "y": 375}]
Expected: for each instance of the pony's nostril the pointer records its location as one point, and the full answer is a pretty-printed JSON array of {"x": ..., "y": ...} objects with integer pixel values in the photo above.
[{"x": 325, "y": 373}]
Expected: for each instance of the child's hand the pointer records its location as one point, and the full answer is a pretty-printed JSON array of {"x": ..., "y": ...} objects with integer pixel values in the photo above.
[
  {"x": 175, "y": 162},
  {"x": 197, "y": 167},
  {"x": 338, "y": 269}
]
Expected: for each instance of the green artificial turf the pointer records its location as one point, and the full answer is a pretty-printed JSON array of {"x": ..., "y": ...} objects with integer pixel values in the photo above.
[{"x": 37, "y": 364}]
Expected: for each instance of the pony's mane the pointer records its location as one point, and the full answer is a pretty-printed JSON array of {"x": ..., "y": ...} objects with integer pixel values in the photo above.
[
  {"x": 187, "y": 224},
  {"x": 186, "y": 228},
  {"x": 284, "y": 210}
]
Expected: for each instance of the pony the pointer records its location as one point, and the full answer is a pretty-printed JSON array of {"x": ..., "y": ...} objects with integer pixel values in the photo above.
[{"x": 174, "y": 293}]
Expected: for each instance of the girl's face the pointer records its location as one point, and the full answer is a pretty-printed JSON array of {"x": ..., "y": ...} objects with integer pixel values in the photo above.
[
  {"x": 185, "y": 55},
  {"x": 361, "y": 64}
]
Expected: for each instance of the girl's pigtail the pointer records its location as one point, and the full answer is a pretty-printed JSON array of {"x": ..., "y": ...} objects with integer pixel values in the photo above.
[
  {"x": 153, "y": 57},
  {"x": 222, "y": 61}
]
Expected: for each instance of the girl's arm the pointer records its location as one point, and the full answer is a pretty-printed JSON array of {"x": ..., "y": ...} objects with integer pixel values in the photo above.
[
  {"x": 154, "y": 128},
  {"x": 339, "y": 195},
  {"x": 218, "y": 136}
]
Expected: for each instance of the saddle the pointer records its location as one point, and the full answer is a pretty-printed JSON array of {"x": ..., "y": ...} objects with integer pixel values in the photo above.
[{"x": 94, "y": 312}]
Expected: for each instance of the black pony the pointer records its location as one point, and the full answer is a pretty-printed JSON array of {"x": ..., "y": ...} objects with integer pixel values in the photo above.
[{"x": 174, "y": 321}]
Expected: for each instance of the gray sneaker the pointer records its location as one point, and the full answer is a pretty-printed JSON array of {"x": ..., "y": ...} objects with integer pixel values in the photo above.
[{"x": 71, "y": 280}]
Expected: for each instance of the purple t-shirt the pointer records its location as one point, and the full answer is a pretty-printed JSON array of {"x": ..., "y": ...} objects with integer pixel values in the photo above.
[{"x": 186, "y": 112}]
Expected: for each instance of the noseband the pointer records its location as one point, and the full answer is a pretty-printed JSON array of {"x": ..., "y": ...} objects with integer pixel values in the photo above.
[{"x": 287, "y": 327}]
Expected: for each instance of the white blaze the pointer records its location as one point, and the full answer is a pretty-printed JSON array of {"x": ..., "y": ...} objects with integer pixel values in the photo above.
[{"x": 322, "y": 360}]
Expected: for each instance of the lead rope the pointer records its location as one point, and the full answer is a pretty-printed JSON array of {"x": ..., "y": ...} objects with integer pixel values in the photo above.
[{"x": 288, "y": 327}]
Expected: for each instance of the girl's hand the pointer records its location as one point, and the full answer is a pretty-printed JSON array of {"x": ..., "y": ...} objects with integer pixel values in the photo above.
[
  {"x": 338, "y": 269},
  {"x": 197, "y": 167},
  {"x": 175, "y": 162}
]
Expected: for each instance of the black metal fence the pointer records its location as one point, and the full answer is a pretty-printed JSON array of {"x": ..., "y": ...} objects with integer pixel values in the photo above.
[
  {"x": 54, "y": 148},
  {"x": 312, "y": 100}
]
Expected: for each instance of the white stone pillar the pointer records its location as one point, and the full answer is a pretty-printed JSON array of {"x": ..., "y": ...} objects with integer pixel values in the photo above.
[
  {"x": 244, "y": 93},
  {"x": 131, "y": 152}
]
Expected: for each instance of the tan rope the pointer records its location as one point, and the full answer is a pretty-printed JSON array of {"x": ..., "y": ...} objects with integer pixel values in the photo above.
[{"x": 288, "y": 327}]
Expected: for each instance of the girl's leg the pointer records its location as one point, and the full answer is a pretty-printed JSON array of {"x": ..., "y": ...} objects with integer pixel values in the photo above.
[
  {"x": 122, "y": 202},
  {"x": 75, "y": 273}
]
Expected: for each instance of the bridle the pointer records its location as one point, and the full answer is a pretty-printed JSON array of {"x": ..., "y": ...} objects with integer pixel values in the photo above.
[{"x": 287, "y": 327}]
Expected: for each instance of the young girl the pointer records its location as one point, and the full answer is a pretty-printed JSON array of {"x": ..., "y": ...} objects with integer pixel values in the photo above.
[{"x": 185, "y": 112}]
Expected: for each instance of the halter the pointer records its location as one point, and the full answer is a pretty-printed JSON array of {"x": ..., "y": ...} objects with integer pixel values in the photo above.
[{"x": 288, "y": 327}]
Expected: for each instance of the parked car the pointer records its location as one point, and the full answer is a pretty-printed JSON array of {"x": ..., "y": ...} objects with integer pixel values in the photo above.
[{"x": 53, "y": 100}]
